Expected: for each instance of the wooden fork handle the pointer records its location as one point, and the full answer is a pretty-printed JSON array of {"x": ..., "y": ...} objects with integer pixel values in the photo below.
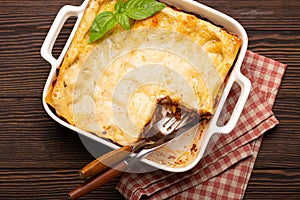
[
  {"x": 98, "y": 181},
  {"x": 105, "y": 162}
]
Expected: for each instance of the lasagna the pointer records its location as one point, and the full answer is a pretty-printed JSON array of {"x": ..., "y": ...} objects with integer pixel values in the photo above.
[{"x": 112, "y": 87}]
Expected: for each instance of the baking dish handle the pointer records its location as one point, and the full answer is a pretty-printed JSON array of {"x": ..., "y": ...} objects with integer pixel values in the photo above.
[
  {"x": 59, "y": 21},
  {"x": 245, "y": 85}
]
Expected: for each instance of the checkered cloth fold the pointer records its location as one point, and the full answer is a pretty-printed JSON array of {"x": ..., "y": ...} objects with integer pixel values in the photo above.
[{"x": 224, "y": 171}]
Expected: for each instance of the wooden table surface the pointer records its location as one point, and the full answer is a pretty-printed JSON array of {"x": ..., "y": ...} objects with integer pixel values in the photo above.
[{"x": 39, "y": 158}]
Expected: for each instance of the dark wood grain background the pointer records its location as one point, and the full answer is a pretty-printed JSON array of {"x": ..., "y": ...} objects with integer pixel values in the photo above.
[{"x": 39, "y": 158}]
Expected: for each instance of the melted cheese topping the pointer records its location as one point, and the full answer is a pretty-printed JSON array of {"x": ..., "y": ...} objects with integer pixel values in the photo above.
[{"x": 111, "y": 87}]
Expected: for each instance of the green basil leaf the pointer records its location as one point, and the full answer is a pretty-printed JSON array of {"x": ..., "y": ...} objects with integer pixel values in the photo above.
[
  {"x": 147, "y": 8},
  {"x": 135, "y": 9},
  {"x": 130, "y": 4},
  {"x": 123, "y": 19},
  {"x": 119, "y": 5},
  {"x": 103, "y": 23}
]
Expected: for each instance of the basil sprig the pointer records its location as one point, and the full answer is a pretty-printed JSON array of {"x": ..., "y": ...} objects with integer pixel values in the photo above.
[{"x": 134, "y": 9}]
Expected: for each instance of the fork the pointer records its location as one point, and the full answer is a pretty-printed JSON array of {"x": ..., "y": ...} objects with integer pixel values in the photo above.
[
  {"x": 160, "y": 129},
  {"x": 161, "y": 133}
]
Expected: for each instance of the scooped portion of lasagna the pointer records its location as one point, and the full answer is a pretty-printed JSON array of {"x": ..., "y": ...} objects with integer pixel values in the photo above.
[{"x": 112, "y": 87}]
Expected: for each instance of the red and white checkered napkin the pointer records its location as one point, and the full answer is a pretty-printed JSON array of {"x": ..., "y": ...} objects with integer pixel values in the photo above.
[{"x": 225, "y": 170}]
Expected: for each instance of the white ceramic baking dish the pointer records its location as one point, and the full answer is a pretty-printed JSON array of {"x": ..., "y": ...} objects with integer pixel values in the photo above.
[{"x": 212, "y": 128}]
